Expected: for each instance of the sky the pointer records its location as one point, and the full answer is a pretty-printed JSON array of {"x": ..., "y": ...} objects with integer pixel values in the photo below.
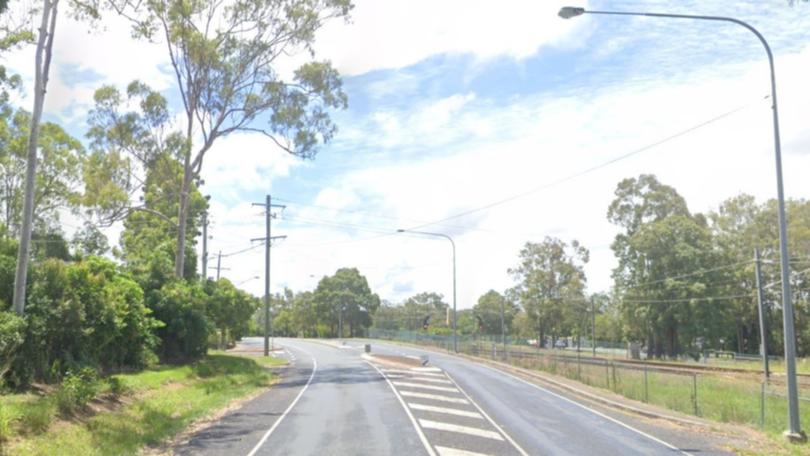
[{"x": 495, "y": 123}]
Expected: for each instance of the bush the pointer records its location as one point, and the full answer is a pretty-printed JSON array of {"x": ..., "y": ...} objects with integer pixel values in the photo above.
[
  {"x": 181, "y": 308},
  {"x": 77, "y": 390},
  {"x": 80, "y": 314},
  {"x": 12, "y": 331}
]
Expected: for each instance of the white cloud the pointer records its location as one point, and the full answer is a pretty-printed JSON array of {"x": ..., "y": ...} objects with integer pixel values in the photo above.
[
  {"x": 395, "y": 34},
  {"x": 539, "y": 140}
]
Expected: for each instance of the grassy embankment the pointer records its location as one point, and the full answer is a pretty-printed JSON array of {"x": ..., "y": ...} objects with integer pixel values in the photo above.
[{"x": 132, "y": 411}]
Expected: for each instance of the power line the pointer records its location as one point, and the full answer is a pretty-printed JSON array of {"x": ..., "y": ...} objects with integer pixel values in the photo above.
[
  {"x": 691, "y": 274},
  {"x": 704, "y": 298},
  {"x": 588, "y": 170}
]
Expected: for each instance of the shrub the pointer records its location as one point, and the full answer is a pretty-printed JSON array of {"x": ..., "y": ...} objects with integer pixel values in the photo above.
[
  {"x": 85, "y": 313},
  {"x": 77, "y": 390},
  {"x": 181, "y": 308},
  {"x": 12, "y": 330}
]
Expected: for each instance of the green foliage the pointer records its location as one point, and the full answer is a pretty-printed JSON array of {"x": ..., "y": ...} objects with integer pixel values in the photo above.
[
  {"x": 184, "y": 334},
  {"x": 345, "y": 294},
  {"x": 12, "y": 335},
  {"x": 90, "y": 241},
  {"x": 58, "y": 170},
  {"x": 85, "y": 313},
  {"x": 551, "y": 285},
  {"x": 77, "y": 390},
  {"x": 229, "y": 309},
  {"x": 489, "y": 308},
  {"x": 224, "y": 56}
]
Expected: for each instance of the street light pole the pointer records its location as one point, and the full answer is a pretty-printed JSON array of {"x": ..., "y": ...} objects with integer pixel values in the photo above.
[
  {"x": 455, "y": 335},
  {"x": 794, "y": 432}
]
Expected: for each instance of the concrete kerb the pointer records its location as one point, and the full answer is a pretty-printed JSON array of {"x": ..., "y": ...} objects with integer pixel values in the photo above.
[{"x": 559, "y": 385}]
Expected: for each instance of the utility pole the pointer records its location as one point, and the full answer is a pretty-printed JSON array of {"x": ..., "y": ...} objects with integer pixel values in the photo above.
[
  {"x": 503, "y": 325},
  {"x": 268, "y": 240},
  {"x": 205, "y": 247},
  {"x": 763, "y": 333},
  {"x": 219, "y": 264},
  {"x": 593, "y": 326}
]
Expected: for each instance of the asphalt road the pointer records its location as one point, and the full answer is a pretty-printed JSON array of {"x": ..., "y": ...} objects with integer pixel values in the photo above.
[{"x": 332, "y": 401}]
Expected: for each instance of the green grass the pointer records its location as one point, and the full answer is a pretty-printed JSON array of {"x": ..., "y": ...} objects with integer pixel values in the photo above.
[{"x": 158, "y": 404}]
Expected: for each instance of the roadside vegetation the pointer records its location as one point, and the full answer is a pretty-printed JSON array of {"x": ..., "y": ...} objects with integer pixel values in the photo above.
[{"x": 123, "y": 413}]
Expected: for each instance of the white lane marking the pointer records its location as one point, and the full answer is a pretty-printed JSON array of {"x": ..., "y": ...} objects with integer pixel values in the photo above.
[
  {"x": 426, "y": 369},
  {"x": 420, "y": 374},
  {"x": 395, "y": 376},
  {"x": 445, "y": 451},
  {"x": 427, "y": 387},
  {"x": 434, "y": 397},
  {"x": 424, "y": 379},
  {"x": 419, "y": 432},
  {"x": 439, "y": 426},
  {"x": 491, "y": 421},
  {"x": 595, "y": 412},
  {"x": 283, "y": 415},
  {"x": 449, "y": 411}
]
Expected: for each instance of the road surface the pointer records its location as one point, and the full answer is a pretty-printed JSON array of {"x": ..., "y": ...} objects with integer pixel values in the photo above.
[{"x": 332, "y": 401}]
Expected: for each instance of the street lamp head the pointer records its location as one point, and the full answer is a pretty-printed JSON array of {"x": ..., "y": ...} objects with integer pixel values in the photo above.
[
  {"x": 400, "y": 230},
  {"x": 567, "y": 12}
]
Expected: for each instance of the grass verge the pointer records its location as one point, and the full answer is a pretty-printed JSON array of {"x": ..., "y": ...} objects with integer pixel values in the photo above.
[{"x": 152, "y": 407}]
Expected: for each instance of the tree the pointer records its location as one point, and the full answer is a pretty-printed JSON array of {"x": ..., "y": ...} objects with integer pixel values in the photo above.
[
  {"x": 90, "y": 241},
  {"x": 345, "y": 296},
  {"x": 425, "y": 307},
  {"x": 664, "y": 296},
  {"x": 489, "y": 308},
  {"x": 58, "y": 175},
  {"x": 229, "y": 308},
  {"x": 41, "y": 73},
  {"x": 551, "y": 284},
  {"x": 127, "y": 144},
  {"x": 225, "y": 56}
]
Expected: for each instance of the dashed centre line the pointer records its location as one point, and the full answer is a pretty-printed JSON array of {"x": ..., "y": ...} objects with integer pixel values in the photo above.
[
  {"x": 449, "y": 411},
  {"x": 435, "y": 397},
  {"x": 429, "y": 424}
]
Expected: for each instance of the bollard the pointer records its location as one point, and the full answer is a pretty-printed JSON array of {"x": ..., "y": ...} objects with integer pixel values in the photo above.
[
  {"x": 607, "y": 374},
  {"x": 368, "y": 348}
]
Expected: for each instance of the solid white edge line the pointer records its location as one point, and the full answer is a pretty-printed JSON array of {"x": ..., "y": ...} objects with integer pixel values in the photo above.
[
  {"x": 419, "y": 432},
  {"x": 491, "y": 421},
  {"x": 290, "y": 407},
  {"x": 595, "y": 412}
]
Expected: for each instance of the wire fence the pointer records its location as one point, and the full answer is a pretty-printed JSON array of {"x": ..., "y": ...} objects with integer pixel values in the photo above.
[{"x": 725, "y": 395}]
